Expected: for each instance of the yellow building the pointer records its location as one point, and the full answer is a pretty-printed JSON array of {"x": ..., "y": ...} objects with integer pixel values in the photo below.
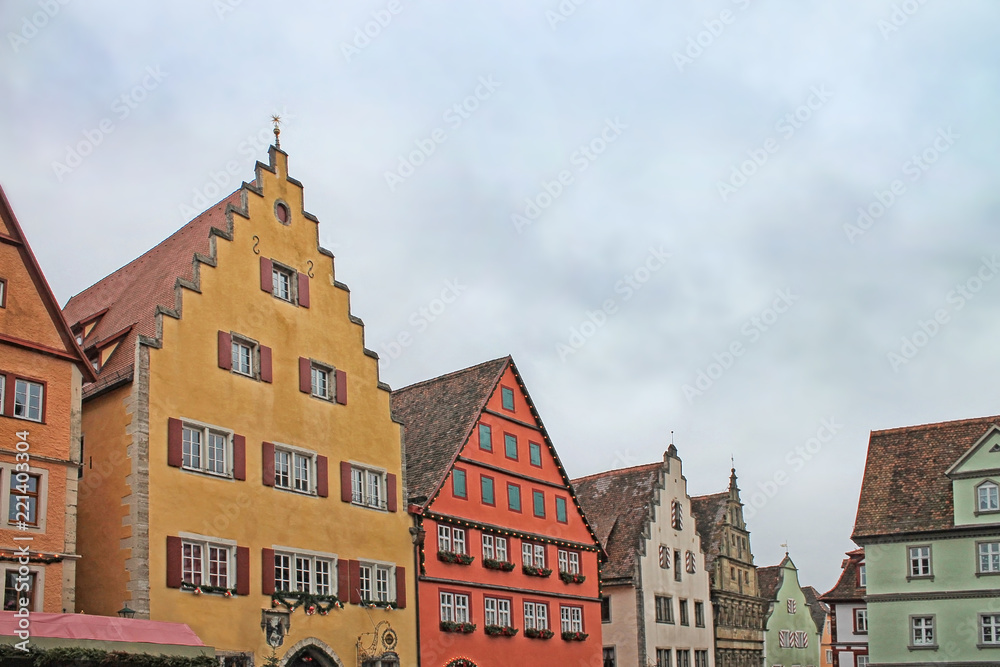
[{"x": 226, "y": 473}]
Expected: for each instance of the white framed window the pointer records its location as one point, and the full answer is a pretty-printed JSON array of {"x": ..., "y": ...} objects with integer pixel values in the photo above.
[
  {"x": 205, "y": 563},
  {"x": 378, "y": 582},
  {"x": 861, "y": 661},
  {"x": 989, "y": 629},
  {"x": 320, "y": 382},
  {"x": 451, "y": 539},
  {"x": 244, "y": 352},
  {"x": 282, "y": 572},
  {"x": 988, "y": 497},
  {"x": 571, "y": 618},
  {"x": 862, "y": 576},
  {"x": 536, "y": 615},
  {"x": 3, "y": 388},
  {"x": 454, "y": 607},
  {"x": 496, "y": 611},
  {"x": 293, "y": 469},
  {"x": 206, "y": 449},
  {"x": 569, "y": 561},
  {"x": 922, "y": 631},
  {"x": 533, "y": 555},
  {"x": 368, "y": 487},
  {"x": 28, "y": 398},
  {"x": 494, "y": 547},
  {"x": 861, "y": 620},
  {"x": 989, "y": 557},
  {"x": 282, "y": 281},
  {"x": 920, "y": 561}
]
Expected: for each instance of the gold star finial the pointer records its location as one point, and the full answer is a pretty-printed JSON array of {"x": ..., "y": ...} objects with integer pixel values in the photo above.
[{"x": 276, "y": 119}]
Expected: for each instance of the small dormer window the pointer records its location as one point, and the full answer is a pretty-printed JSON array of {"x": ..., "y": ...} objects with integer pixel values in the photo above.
[
  {"x": 988, "y": 497},
  {"x": 862, "y": 576}
]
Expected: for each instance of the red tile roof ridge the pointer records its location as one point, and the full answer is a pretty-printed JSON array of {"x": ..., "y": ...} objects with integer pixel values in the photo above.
[
  {"x": 619, "y": 471},
  {"x": 452, "y": 374},
  {"x": 936, "y": 425}
]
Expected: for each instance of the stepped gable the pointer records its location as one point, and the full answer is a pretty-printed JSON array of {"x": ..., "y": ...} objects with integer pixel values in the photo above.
[
  {"x": 709, "y": 513},
  {"x": 905, "y": 489},
  {"x": 131, "y": 297},
  {"x": 619, "y": 506},
  {"x": 438, "y": 417}
]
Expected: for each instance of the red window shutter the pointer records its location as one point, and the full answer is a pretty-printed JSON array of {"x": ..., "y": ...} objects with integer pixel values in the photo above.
[
  {"x": 343, "y": 580},
  {"x": 303, "y": 290},
  {"x": 266, "y": 571},
  {"x": 266, "y": 275},
  {"x": 267, "y": 463},
  {"x": 401, "y": 587},
  {"x": 174, "y": 562},
  {"x": 225, "y": 351},
  {"x": 322, "y": 477},
  {"x": 305, "y": 375},
  {"x": 355, "y": 582},
  {"x": 390, "y": 492},
  {"x": 341, "y": 387},
  {"x": 239, "y": 457},
  {"x": 345, "y": 482},
  {"x": 243, "y": 570},
  {"x": 8, "y": 398},
  {"x": 265, "y": 363},
  {"x": 175, "y": 440}
]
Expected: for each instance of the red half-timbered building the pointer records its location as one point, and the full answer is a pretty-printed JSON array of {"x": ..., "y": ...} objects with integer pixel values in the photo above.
[{"x": 508, "y": 565}]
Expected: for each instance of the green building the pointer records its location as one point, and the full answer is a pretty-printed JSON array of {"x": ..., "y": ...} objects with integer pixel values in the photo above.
[
  {"x": 929, "y": 521},
  {"x": 793, "y": 630}
]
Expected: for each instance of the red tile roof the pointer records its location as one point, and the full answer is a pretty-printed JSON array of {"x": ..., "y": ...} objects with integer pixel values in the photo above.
[
  {"x": 847, "y": 587},
  {"x": 769, "y": 581},
  {"x": 619, "y": 506},
  {"x": 132, "y": 295},
  {"x": 905, "y": 489},
  {"x": 438, "y": 416}
]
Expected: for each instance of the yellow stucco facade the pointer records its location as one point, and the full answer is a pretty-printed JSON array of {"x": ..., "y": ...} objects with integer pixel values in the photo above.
[{"x": 180, "y": 376}]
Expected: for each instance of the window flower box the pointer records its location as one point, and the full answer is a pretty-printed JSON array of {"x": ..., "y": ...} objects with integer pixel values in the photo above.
[
  {"x": 502, "y": 565},
  {"x": 574, "y": 636},
  {"x": 463, "y": 628},
  {"x": 535, "y": 633},
  {"x": 533, "y": 571},
  {"x": 198, "y": 589},
  {"x": 500, "y": 630},
  {"x": 572, "y": 578},
  {"x": 458, "y": 559}
]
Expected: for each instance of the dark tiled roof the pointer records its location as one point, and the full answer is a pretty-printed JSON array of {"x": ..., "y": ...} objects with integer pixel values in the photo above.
[
  {"x": 905, "y": 489},
  {"x": 619, "y": 506},
  {"x": 817, "y": 608},
  {"x": 438, "y": 416},
  {"x": 769, "y": 581},
  {"x": 132, "y": 294},
  {"x": 847, "y": 586},
  {"x": 709, "y": 513}
]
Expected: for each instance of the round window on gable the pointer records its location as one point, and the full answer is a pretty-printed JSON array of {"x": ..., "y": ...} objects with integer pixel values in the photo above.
[{"x": 282, "y": 213}]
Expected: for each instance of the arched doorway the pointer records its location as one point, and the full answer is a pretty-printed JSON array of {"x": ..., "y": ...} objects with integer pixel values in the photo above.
[{"x": 311, "y": 652}]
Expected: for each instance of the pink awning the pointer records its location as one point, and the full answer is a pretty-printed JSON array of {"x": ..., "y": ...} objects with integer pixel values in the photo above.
[{"x": 102, "y": 628}]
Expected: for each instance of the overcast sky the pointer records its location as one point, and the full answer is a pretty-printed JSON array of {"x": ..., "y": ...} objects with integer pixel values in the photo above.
[{"x": 626, "y": 193}]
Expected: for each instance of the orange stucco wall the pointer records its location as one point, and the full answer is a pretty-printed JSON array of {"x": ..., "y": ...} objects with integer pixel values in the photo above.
[{"x": 437, "y": 647}]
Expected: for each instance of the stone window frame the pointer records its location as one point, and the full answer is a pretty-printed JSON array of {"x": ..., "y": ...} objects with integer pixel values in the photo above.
[{"x": 909, "y": 562}]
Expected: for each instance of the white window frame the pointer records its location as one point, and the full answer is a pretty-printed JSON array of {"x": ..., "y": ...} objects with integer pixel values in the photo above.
[
  {"x": 989, "y": 623},
  {"x": 454, "y": 607},
  {"x": 571, "y": 618},
  {"x": 992, "y": 500},
  {"x": 569, "y": 561},
  {"x": 239, "y": 343},
  {"x": 292, "y": 480},
  {"x": 861, "y": 661},
  {"x": 988, "y": 553},
  {"x": 533, "y": 555},
  {"x": 862, "y": 576},
  {"x": 451, "y": 539},
  {"x": 206, "y": 431},
  {"x": 3, "y": 389},
  {"x": 924, "y": 625},
  {"x": 372, "y": 493},
  {"x": 919, "y": 560},
  {"x": 496, "y": 611},
  {"x": 372, "y": 572},
  {"x": 861, "y": 620},
  {"x": 26, "y": 404},
  {"x": 536, "y": 615},
  {"x": 313, "y": 558},
  {"x": 206, "y": 544},
  {"x": 282, "y": 271},
  {"x": 321, "y": 381}
]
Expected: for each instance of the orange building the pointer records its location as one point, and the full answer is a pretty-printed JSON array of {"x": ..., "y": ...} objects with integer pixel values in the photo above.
[
  {"x": 41, "y": 373},
  {"x": 508, "y": 563},
  {"x": 240, "y": 453}
]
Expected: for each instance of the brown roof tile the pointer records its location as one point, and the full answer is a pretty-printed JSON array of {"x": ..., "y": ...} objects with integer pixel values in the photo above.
[
  {"x": 847, "y": 587},
  {"x": 709, "y": 514},
  {"x": 817, "y": 608},
  {"x": 905, "y": 489},
  {"x": 769, "y": 581},
  {"x": 438, "y": 416},
  {"x": 619, "y": 506},
  {"x": 132, "y": 294}
]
